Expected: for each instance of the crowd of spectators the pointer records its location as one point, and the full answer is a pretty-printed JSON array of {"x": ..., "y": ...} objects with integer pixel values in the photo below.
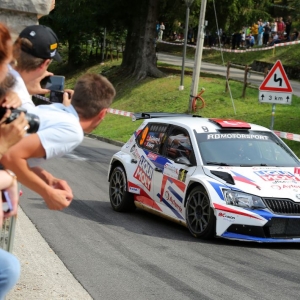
[
  {"x": 260, "y": 33},
  {"x": 23, "y": 64}
]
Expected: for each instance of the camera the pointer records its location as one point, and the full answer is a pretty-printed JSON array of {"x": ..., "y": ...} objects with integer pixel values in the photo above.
[
  {"x": 58, "y": 96},
  {"x": 53, "y": 83},
  {"x": 33, "y": 120}
]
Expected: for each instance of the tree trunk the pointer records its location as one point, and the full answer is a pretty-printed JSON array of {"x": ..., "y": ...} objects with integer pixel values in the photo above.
[{"x": 139, "y": 60}]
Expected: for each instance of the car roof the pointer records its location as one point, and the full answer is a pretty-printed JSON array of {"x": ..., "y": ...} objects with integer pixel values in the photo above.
[{"x": 212, "y": 124}]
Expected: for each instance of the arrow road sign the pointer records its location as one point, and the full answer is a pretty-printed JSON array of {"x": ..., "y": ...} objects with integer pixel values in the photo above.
[
  {"x": 276, "y": 80},
  {"x": 275, "y": 98}
]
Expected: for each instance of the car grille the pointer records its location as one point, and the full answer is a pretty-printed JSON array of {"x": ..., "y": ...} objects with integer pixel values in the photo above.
[
  {"x": 282, "y": 206},
  {"x": 284, "y": 228}
]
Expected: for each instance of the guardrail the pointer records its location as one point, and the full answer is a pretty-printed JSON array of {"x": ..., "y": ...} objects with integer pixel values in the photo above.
[{"x": 7, "y": 234}]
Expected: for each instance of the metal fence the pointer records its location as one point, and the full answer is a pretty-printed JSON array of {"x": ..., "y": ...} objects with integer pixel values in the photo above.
[{"x": 7, "y": 234}]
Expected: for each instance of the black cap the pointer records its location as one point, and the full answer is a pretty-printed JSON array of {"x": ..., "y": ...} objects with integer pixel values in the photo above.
[{"x": 44, "y": 42}]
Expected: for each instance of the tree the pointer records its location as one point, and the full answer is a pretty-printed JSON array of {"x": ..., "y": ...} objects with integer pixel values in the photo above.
[{"x": 139, "y": 58}]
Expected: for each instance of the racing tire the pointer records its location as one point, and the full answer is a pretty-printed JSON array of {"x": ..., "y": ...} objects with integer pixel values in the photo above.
[
  {"x": 119, "y": 197},
  {"x": 200, "y": 218}
]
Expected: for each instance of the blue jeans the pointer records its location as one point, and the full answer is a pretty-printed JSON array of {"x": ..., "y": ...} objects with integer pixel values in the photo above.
[{"x": 9, "y": 272}]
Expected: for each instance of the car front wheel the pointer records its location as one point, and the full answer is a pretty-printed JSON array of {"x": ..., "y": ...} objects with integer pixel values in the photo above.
[
  {"x": 120, "y": 199},
  {"x": 200, "y": 218}
]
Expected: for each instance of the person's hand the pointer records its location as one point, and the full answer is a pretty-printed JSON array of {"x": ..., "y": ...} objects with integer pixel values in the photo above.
[
  {"x": 57, "y": 199},
  {"x": 13, "y": 194},
  {"x": 11, "y": 100},
  {"x": 52, "y": 181},
  {"x": 62, "y": 185},
  {"x": 67, "y": 97},
  {"x": 13, "y": 132},
  {"x": 34, "y": 86}
]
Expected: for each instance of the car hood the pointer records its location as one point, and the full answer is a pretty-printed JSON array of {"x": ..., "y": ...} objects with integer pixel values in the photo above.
[{"x": 278, "y": 182}]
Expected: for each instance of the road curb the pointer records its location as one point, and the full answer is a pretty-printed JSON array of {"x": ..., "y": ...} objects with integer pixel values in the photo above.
[{"x": 103, "y": 139}]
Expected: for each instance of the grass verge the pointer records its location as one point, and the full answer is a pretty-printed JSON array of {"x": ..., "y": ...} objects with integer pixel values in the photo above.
[{"x": 162, "y": 95}]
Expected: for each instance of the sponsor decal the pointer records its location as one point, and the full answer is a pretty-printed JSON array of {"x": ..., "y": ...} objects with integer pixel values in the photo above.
[
  {"x": 144, "y": 173},
  {"x": 53, "y": 46},
  {"x": 152, "y": 156},
  {"x": 134, "y": 190},
  {"x": 182, "y": 175},
  {"x": 172, "y": 200},
  {"x": 244, "y": 179},
  {"x": 153, "y": 139},
  {"x": 52, "y": 54},
  {"x": 150, "y": 145},
  {"x": 276, "y": 187},
  {"x": 226, "y": 217},
  {"x": 276, "y": 175},
  {"x": 218, "y": 136},
  {"x": 285, "y": 186}
]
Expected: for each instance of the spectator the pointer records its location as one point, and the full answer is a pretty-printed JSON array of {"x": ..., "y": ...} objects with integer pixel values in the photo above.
[
  {"x": 254, "y": 31},
  {"x": 280, "y": 27},
  {"x": 38, "y": 46},
  {"x": 161, "y": 31},
  {"x": 275, "y": 39},
  {"x": 295, "y": 34},
  {"x": 260, "y": 33},
  {"x": 243, "y": 39},
  {"x": 92, "y": 95},
  {"x": 157, "y": 29},
  {"x": 10, "y": 134},
  {"x": 288, "y": 26},
  {"x": 266, "y": 34},
  {"x": 250, "y": 41},
  {"x": 273, "y": 25}
]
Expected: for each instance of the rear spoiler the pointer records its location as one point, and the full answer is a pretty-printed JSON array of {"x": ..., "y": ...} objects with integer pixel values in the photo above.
[{"x": 153, "y": 115}]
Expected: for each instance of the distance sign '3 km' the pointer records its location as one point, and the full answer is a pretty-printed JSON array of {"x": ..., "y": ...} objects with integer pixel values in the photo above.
[{"x": 276, "y": 87}]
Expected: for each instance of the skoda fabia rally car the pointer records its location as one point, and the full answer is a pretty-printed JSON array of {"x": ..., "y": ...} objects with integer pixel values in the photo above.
[{"x": 222, "y": 178}]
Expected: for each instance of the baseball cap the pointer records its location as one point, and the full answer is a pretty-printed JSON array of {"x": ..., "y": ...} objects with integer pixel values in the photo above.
[{"x": 44, "y": 42}]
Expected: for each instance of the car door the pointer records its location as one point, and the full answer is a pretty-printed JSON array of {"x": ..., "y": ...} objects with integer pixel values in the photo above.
[
  {"x": 170, "y": 181},
  {"x": 149, "y": 143}
]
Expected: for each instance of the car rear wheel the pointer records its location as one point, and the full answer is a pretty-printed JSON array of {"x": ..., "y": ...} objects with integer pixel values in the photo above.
[
  {"x": 200, "y": 218},
  {"x": 120, "y": 199}
]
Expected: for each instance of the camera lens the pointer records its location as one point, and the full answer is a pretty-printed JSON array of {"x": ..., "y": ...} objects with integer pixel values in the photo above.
[{"x": 33, "y": 120}]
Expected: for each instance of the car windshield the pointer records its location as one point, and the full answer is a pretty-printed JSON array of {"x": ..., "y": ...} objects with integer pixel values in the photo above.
[{"x": 245, "y": 148}]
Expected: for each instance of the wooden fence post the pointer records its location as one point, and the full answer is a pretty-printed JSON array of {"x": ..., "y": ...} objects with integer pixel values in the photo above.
[
  {"x": 227, "y": 76},
  {"x": 245, "y": 81},
  {"x": 266, "y": 71}
]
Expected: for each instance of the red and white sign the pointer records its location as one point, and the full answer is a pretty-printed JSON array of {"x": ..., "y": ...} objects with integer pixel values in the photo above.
[{"x": 276, "y": 80}]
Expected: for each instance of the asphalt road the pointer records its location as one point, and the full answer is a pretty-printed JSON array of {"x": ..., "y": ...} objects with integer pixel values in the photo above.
[
  {"x": 141, "y": 256},
  {"x": 237, "y": 74}
]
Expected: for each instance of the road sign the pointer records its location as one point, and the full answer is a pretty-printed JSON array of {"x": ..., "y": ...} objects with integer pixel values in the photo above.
[
  {"x": 275, "y": 98},
  {"x": 276, "y": 80}
]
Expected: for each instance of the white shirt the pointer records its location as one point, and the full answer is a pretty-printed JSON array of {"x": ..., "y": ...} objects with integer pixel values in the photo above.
[
  {"x": 21, "y": 89},
  {"x": 60, "y": 131}
]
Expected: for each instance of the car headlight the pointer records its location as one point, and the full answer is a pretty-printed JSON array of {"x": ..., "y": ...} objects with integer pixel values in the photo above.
[{"x": 242, "y": 199}]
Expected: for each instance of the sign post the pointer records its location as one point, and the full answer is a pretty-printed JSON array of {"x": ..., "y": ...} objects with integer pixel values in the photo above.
[{"x": 275, "y": 89}]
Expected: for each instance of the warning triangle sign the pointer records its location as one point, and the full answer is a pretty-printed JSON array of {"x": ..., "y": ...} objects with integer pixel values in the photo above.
[{"x": 276, "y": 80}]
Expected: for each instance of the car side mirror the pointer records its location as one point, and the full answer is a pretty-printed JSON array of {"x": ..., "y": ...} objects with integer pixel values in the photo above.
[{"x": 183, "y": 161}]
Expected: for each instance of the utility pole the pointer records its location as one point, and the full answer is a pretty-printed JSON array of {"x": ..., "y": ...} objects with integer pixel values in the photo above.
[
  {"x": 187, "y": 14},
  {"x": 198, "y": 55}
]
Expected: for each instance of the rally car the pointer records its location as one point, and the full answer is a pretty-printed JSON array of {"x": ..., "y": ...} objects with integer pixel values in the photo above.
[{"x": 219, "y": 178}]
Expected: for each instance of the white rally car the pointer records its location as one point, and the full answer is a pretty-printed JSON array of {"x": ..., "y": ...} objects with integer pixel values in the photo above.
[{"x": 222, "y": 178}]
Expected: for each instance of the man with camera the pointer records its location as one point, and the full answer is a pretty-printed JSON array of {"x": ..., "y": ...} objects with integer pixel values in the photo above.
[{"x": 35, "y": 48}]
